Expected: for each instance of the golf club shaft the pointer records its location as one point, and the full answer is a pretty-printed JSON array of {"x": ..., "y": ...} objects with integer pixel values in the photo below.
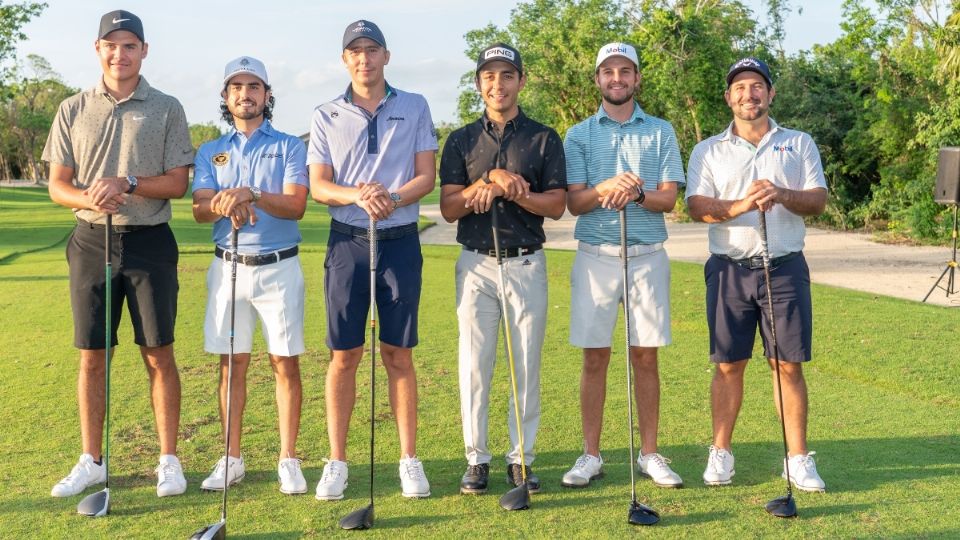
[
  {"x": 773, "y": 339},
  {"x": 372, "y": 232},
  {"x": 626, "y": 324},
  {"x": 507, "y": 337},
  {"x": 108, "y": 325},
  {"x": 234, "y": 234}
]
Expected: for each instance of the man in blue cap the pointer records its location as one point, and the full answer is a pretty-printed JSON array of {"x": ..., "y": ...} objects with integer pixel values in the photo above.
[{"x": 372, "y": 155}]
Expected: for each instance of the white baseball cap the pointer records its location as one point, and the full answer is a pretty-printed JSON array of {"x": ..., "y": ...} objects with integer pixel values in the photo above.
[
  {"x": 245, "y": 64},
  {"x": 617, "y": 49}
]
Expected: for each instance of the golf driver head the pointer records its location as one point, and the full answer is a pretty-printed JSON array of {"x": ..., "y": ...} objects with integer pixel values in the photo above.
[
  {"x": 358, "y": 519},
  {"x": 517, "y": 498},
  {"x": 96, "y": 504},
  {"x": 641, "y": 514},
  {"x": 217, "y": 531},
  {"x": 782, "y": 507}
]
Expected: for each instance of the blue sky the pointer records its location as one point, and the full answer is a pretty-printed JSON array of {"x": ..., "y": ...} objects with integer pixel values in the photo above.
[{"x": 300, "y": 42}]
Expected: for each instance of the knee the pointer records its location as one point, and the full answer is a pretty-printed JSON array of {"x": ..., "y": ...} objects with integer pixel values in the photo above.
[
  {"x": 92, "y": 366},
  {"x": 345, "y": 361},
  {"x": 159, "y": 359},
  {"x": 396, "y": 359},
  {"x": 730, "y": 370},
  {"x": 595, "y": 361},
  {"x": 644, "y": 360},
  {"x": 286, "y": 368},
  {"x": 790, "y": 372}
]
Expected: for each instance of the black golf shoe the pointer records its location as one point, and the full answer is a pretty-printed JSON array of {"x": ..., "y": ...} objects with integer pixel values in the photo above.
[
  {"x": 515, "y": 477},
  {"x": 475, "y": 479}
]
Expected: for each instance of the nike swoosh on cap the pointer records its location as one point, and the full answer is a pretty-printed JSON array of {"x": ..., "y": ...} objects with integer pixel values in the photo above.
[{"x": 118, "y": 21}]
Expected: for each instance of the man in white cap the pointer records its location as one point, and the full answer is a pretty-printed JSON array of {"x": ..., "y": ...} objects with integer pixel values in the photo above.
[
  {"x": 123, "y": 149},
  {"x": 254, "y": 179},
  {"x": 620, "y": 159}
]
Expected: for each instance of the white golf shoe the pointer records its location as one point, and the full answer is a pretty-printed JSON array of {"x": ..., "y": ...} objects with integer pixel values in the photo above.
[
  {"x": 215, "y": 481},
  {"x": 333, "y": 481},
  {"x": 413, "y": 481},
  {"x": 657, "y": 468},
  {"x": 586, "y": 469},
  {"x": 170, "y": 480},
  {"x": 720, "y": 469},
  {"x": 803, "y": 473},
  {"x": 291, "y": 477},
  {"x": 83, "y": 475}
]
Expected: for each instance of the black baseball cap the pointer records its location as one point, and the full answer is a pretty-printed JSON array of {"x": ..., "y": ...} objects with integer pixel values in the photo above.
[
  {"x": 120, "y": 20},
  {"x": 749, "y": 64},
  {"x": 363, "y": 29},
  {"x": 501, "y": 52}
]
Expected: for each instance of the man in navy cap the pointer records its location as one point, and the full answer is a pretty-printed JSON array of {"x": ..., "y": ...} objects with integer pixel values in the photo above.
[
  {"x": 372, "y": 156},
  {"x": 754, "y": 166},
  {"x": 123, "y": 149}
]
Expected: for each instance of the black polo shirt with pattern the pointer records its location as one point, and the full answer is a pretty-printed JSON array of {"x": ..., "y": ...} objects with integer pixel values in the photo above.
[{"x": 526, "y": 147}]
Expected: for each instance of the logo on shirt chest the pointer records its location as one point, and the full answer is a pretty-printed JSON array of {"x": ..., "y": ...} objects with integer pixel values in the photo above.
[
  {"x": 221, "y": 159},
  {"x": 782, "y": 148},
  {"x": 395, "y": 119},
  {"x": 271, "y": 155}
]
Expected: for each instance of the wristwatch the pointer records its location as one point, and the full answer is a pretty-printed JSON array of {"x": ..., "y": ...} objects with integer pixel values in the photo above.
[
  {"x": 132, "y": 180},
  {"x": 486, "y": 177},
  {"x": 396, "y": 198},
  {"x": 641, "y": 196},
  {"x": 255, "y": 193}
]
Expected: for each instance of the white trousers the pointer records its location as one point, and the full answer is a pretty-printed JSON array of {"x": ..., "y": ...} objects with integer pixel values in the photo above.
[{"x": 479, "y": 315}]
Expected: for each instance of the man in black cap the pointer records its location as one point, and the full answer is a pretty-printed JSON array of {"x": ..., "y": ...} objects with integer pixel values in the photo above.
[
  {"x": 122, "y": 148},
  {"x": 508, "y": 164},
  {"x": 754, "y": 166}
]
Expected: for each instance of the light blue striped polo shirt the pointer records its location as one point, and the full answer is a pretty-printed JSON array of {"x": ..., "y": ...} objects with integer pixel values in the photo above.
[
  {"x": 372, "y": 148},
  {"x": 600, "y": 148}
]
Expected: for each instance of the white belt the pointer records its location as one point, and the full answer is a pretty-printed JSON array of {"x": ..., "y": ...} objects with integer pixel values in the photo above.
[{"x": 611, "y": 250}]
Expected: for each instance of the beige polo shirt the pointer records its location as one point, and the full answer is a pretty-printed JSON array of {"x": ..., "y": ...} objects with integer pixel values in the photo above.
[{"x": 97, "y": 136}]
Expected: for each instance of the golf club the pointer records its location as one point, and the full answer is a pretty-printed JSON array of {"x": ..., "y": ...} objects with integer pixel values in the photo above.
[
  {"x": 363, "y": 518},
  {"x": 783, "y": 507},
  {"x": 517, "y": 498},
  {"x": 98, "y": 504},
  {"x": 639, "y": 514},
  {"x": 218, "y": 530}
]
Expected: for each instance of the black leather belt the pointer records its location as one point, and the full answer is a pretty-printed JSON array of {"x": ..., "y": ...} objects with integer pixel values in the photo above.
[
  {"x": 258, "y": 260},
  {"x": 507, "y": 253},
  {"x": 756, "y": 263},
  {"x": 390, "y": 233},
  {"x": 115, "y": 228}
]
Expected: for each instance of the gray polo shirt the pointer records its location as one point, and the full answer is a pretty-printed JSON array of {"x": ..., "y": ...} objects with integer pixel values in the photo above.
[
  {"x": 379, "y": 147},
  {"x": 97, "y": 136}
]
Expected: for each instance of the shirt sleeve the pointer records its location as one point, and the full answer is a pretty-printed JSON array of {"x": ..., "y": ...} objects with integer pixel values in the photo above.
[
  {"x": 554, "y": 164},
  {"x": 59, "y": 148},
  {"x": 671, "y": 167},
  {"x": 812, "y": 165},
  {"x": 699, "y": 177},
  {"x": 177, "y": 148},
  {"x": 575, "y": 153},
  {"x": 426, "y": 133},
  {"x": 203, "y": 174},
  {"x": 318, "y": 151},
  {"x": 453, "y": 170},
  {"x": 295, "y": 167}
]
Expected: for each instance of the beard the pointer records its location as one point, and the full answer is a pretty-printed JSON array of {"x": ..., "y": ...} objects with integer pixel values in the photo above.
[
  {"x": 613, "y": 100},
  {"x": 760, "y": 109},
  {"x": 246, "y": 113}
]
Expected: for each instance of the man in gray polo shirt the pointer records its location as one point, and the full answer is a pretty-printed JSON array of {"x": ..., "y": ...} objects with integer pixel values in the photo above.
[
  {"x": 371, "y": 155},
  {"x": 122, "y": 148}
]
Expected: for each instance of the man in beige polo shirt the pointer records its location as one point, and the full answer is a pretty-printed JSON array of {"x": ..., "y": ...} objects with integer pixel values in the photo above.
[{"x": 122, "y": 148}]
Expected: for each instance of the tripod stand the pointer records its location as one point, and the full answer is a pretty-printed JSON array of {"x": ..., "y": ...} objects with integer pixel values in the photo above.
[{"x": 951, "y": 266}]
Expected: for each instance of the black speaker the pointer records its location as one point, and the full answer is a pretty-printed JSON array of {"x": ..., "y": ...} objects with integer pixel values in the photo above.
[{"x": 947, "y": 190}]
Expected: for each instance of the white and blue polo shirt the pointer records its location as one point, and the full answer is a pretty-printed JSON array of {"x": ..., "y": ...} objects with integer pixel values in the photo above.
[
  {"x": 600, "y": 148},
  {"x": 723, "y": 166},
  {"x": 378, "y": 147}
]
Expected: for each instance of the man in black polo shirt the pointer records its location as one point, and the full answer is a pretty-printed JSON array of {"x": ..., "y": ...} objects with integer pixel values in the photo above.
[{"x": 508, "y": 164}]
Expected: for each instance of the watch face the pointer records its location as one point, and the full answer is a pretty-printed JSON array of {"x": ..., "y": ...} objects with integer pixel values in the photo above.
[{"x": 395, "y": 197}]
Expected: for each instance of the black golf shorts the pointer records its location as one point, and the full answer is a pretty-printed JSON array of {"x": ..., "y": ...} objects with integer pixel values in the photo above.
[
  {"x": 144, "y": 272},
  {"x": 737, "y": 306}
]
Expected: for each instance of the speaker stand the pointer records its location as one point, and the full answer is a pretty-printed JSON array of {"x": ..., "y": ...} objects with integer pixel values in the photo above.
[{"x": 951, "y": 266}]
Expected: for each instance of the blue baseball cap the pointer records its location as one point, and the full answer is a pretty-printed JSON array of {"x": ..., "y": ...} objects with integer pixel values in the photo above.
[
  {"x": 749, "y": 64},
  {"x": 363, "y": 29},
  {"x": 120, "y": 20}
]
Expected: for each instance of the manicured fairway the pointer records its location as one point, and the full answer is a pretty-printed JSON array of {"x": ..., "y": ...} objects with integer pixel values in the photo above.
[{"x": 885, "y": 398}]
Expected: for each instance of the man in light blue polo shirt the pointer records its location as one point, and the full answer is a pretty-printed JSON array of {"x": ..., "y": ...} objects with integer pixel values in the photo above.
[
  {"x": 620, "y": 158},
  {"x": 371, "y": 158},
  {"x": 254, "y": 179}
]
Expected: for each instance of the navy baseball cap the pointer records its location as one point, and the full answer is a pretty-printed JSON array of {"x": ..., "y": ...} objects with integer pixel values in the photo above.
[
  {"x": 363, "y": 29},
  {"x": 120, "y": 20},
  {"x": 500, "y": 52},
  {"x": 749, "y": 64}
]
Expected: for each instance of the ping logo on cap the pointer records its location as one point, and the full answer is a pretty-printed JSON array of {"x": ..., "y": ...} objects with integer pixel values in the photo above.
[{"x": 499, "y": 51}]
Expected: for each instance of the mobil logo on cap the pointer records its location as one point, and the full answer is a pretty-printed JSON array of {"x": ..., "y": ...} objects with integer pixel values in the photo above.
[{"x": 622, "y": 49}]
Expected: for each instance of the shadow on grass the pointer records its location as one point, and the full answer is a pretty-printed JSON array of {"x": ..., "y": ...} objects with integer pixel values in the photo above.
[{"x": 271, "y": 535}]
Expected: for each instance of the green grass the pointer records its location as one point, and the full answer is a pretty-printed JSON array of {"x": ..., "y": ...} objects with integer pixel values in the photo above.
[{"x": 884, "y": 404}]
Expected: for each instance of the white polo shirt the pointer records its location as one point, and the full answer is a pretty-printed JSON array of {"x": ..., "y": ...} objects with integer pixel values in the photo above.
[{"x": 723, "y": 166}]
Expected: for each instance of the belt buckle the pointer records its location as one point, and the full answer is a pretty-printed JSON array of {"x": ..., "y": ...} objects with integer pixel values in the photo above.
[{"x": 756, "y": 262}]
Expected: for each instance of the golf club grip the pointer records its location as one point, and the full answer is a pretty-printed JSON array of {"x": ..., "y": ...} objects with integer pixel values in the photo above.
[{"x": 763, "y": 238}]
